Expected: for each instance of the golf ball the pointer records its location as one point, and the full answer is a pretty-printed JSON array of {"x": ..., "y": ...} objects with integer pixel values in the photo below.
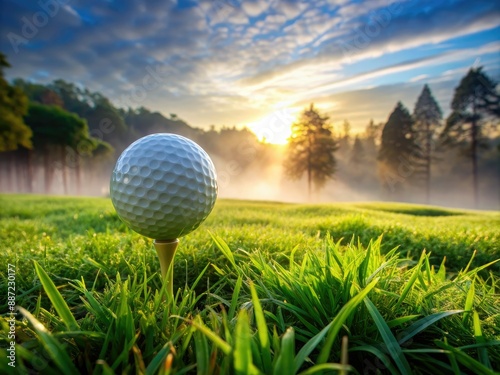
[{"x": 163, "y": 186}]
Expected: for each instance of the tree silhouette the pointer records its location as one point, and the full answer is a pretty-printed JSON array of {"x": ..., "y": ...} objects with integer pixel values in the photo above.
[
  {"x": 399, "y": 155},
  {"x": 311, "y": 150},
  {"x": 345, "y": 138},
  {"x": 474, "y": 103},
  {"x": 427, "y": 116},
  {"x": 357, "y": 152}
]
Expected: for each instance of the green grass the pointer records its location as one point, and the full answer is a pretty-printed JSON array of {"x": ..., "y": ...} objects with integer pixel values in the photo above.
[{"x": 262, "y": 288}]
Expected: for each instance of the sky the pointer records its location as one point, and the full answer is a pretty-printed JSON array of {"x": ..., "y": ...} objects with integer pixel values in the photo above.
[{"x": 255, "y": 63}]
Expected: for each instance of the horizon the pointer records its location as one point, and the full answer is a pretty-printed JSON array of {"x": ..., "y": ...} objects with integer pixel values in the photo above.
[{"x": 235, "y": 63}]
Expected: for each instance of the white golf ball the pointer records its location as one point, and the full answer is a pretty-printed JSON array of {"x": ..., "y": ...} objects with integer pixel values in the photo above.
[{"x": 163, "y": 186}]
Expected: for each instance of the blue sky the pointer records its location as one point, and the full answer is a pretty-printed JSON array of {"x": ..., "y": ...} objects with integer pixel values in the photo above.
[{"x": 233, "y": 62}]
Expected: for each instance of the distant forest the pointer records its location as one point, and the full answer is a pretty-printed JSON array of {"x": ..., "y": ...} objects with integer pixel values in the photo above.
[{"x": 60, "y": 138}]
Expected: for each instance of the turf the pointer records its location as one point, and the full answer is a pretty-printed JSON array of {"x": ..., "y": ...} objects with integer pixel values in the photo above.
[{"x": 262, "y": 287}]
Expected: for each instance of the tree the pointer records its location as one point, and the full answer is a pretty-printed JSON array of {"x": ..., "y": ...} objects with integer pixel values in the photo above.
[
  {"x": 345, "y": 139},
  {"x": 399, "y": 155},
  {"x": 15, "y": 136},
  {"x": 104, "y": 120},
  {"x": 39, "y": 93},
  {"x": 427, "y": 116},
  {"x": 54, "y": 129},
  {"x": 371, "y": 136},
  {"x": 357, "y": 152},
  {"x": 13, "y": 106},
  {"x": 74, "y": 99},
  {"x": 311, "y": 149},
  {"x": 474, "y": 103}
]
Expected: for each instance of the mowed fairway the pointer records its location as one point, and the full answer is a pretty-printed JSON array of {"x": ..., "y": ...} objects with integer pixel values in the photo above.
[{"x": 261, "y": 288}]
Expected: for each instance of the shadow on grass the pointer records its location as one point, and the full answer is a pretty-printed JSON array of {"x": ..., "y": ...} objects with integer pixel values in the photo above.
[
  {"x": 411, "y": 243},
  {"x": 410, "y": 209},
  {"x": 423, "y": 212}
]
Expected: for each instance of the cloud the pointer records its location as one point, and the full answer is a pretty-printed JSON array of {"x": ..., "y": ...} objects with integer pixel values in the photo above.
[
  {"x": 290, "y": 8},
  {"x": 254, "y": 8},
  {"x": 441, "y": 58},
  {"x": 230, "y": 61},
  {"x": 359, "y": 106},
  {"x": 405, "y": 32},
  {"x": 420, "y": 77}
]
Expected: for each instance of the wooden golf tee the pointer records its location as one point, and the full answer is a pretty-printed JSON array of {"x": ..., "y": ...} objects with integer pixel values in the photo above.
[{"x": 166, "y": 252}]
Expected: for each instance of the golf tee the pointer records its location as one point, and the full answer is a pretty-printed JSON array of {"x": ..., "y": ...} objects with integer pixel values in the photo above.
[{"x": 166, "y": 252}]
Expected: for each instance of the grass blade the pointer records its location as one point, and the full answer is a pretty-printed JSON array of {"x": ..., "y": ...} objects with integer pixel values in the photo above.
[
  {"x": 469, "y": 301},
  {"x": 390, "y": 341},
  {"x": 263, "y": 332},
  {"x": 347, "y": 310},
  {"x": 243, "y": 347},
  {"x": 363, "y": 267},
  {"x": 202, "y": 353},
  {"x": 410, "y": 282},
  {"x": 478, "y": 334},
  {"x": 159, "y": 358},
  {"x": 309, "y": 347},
  {"x": 54, "y": 348},
  {"x": 224, "y": 248},
  {"x": 284, "y": 363},
  {"x": 57, "y": 300},
  {"x": 234, "y": 299},
  {"x": 423, "y": 323},
  {"x": 219, "y": 342},
  {"x": 466, "y": 360}
]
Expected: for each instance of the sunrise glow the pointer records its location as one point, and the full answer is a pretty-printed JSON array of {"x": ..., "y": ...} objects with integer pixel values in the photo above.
[{"x": 275, "y": 128}]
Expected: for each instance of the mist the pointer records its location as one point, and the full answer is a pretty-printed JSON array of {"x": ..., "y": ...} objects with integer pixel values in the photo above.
[
  {"x": 251, "y": 170},
  {"x": 268, "y": 183},
  {"x": 80, "y": 162}
]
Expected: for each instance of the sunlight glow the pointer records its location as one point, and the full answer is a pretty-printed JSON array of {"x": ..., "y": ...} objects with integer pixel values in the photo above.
[{"x": 274, "y": 128}]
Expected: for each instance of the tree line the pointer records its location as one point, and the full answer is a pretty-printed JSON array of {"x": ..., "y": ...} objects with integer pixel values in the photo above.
[
  {"x": 409, "y": 143},
  {"x": 62, "y": 138}
]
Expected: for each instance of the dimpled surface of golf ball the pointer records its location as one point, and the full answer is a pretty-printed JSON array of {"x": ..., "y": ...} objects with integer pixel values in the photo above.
[{"x": 163, "y": 186}]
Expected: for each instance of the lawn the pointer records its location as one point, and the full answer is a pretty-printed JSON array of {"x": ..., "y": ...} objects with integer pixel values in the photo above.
[{"x": 261, "y": 287}]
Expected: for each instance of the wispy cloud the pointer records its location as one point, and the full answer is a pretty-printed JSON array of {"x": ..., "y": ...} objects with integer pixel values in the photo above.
[
  {"x": 232, "y": 61},
  {"x": 420, "y": 77}
]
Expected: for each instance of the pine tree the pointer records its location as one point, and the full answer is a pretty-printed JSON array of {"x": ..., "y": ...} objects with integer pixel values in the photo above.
[
  {"x": 311, "y": 149},
  {"x": 427, "y": 116},
  {"x": 399, "y": 155},
  {"x": 474, "y": 104},
  {"x": 345, "y": 139},
  {"x": 357, "y": 152}
]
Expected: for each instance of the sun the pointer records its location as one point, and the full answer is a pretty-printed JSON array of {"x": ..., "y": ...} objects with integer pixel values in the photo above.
[{"x": 274, "y": 128}]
